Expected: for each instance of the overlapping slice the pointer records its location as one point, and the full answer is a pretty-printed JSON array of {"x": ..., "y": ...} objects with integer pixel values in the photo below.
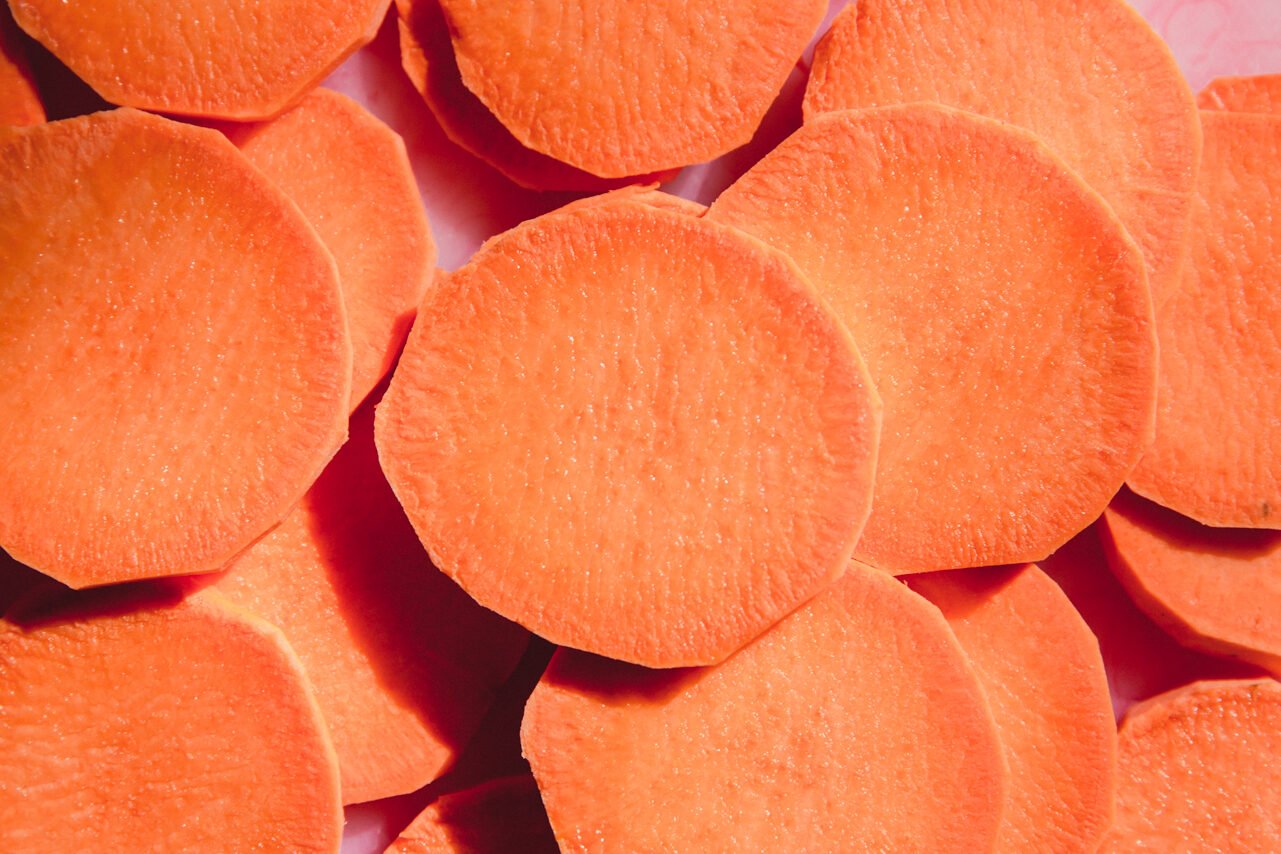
[
  {"x": 1039, "y": 665},
  {"x": 1259, "y": 93},
  {"x": 175, "y": 366},
  {"x": 1215, "y": 458},
  {"x": 854, "y": 724},
  {"x": 618, "y": 88},
  {"x": 1001, "y": 308},
  {"x": 160, "y": 727},
  {"x": 1214, "y": 589},
  {"x": 19, "y": 99},
  {"x": 403, "y": 663},
  {"x": 498, "y": 817},
  {"x": 216, "y": 58},
  {"x": 428, "y": 58},
  {"x": 1201, "y": 770},
  {"x": 1089, "y": 77},
  {"x": 349, "y": 174},
  {"x": 634, "y": 431}
]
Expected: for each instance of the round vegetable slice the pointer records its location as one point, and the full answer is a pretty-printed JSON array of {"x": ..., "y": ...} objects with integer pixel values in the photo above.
[
  {"x": 618, "y": 88},
  {"x": 175, "y": 366},
  {"x": 1002, "y": 311},
  {"x": 428, "y": 57},
  {"x": 1259, "y": 93},
  {"x": 403, "y": 663},
  {"x": 216, "y": 58},
  {"x": 160, "y": 727},
  {"x": 349, "y": 174},
  {"x": 1201, "y": 770},
  {"x": 1215, "y": 458},
  {"x": 19, "y": 99},
  {"x": 496, "y": 817},
  {"x": 1089, "y": 77},
  {"x": 854, "y": 724},
  {"x": 1215, "y": 589},
  {"x": 633, "y": 431},
  {"x": 1040, "y": 667}
]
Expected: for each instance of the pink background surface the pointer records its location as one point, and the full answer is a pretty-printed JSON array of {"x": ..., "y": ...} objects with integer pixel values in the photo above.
[{"x": 467, "y": 202}]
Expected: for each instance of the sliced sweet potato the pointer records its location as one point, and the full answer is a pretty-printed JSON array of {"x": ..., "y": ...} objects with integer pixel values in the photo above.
[
  {"x": 19, "y": 99},
  {"x": 1003, "y": 312},
  {"x": 428, "y": 58},
  {"x": 633, "y": 431},
  {"x": 215, "y": 58},
  {"x": 854, "y": 724},
  {"x": 1258, "y": 93},
  {"x": 160, "y": 726},
  {"x": 1216, "y": 458},
  {"x": 1040, "y": 667},
  {"x": 1089, "y": 77},
  {"x": 619, "y": 88},
  {"x": 1215, "y": 589},
  {"x": 403, "y": 663},
  {"x": 1201, "y": 770},
  {"x": 175, "y": 366},
  {"x": 349, "y": 174}
]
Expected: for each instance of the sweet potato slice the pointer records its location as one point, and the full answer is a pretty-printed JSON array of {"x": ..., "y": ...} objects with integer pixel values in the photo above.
[
  {"x": 19, "y": 99},
  {"x": 215, "y": 58},
  {"x": 498, "y": 817},
  {"x": 854, "y": 724},
  {"x": 1040, "y": 667},
  {"x": 349, "y": 174},
  {"x": 1215, "y": 589},
  {"x": 160, "y": 727},
  {"x": 1201, "y": 770},
  {"x": 1090, "y": 77},
  {"x": 633, "y": 431},
  {"x": 1001, "y": 308},
  {"x": 618, "y": 88},
  {"x": 403, "y": 663},
  {"x": 1216, "y": 458},
  {"x": 175, "y": 366},
  {"x": 1259, "y": 93},
  {"x": 428, "y": 58}
]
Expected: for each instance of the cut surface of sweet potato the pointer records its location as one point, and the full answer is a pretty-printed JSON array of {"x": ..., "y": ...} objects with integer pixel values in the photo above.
[
  {"x": 632, "y": 431},
  {"x": 175, "y": 367},
  {"x": 854, "y": 724},
  {"x": 1003, "y": 312},
  {"x": 164, "y": 726}
]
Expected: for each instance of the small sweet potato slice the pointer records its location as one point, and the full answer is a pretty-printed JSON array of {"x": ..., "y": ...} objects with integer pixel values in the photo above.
[{"x": 160, "y": 726}]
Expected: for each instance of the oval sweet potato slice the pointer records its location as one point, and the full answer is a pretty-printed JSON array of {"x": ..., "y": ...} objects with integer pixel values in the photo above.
[
  {"x": 1215, "y": 589},
  {"x": 349, "y": 174},
  {"x": 854, "y": 724},
  {"x": 1089, "y": 77},
  {"x": 223, "y": 59},
  {"x": 1003, "y": 313},
  {"x": 175, "y": 366},
  {"x": 1040, "y": 667},
  {"x": 1216, "y": 458},
  {"x": 427, "y": 55},
  {"x": 633, "y": 431},
  {"x": 1201, "y": 770},
  {"x": 617, "y": 88},
  {"x": 160, "y": 727}
]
